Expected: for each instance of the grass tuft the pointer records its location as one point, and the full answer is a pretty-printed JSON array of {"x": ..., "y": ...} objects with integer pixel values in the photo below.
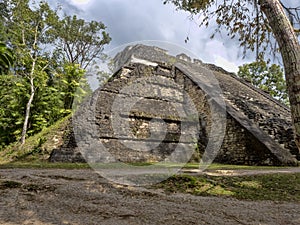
[
  {"x": 8, "y": 184},
  {"x": 275, "y": 187}
]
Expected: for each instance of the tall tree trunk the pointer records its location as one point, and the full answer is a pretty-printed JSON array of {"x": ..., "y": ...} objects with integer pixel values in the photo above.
[
  {"x": 29, "y": 103},
  {"x": 290, "y": 51}
]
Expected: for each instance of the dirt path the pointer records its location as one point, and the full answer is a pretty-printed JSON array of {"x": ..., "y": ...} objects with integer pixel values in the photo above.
[{"x": 83, "y": 197}]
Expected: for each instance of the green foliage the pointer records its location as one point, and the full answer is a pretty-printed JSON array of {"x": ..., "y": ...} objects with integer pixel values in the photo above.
[
  {"x": 12, "y": 94},
  {"x": 267, "y": 78},
  {"x": 37, "y": 67},
  {"x": 73, "y": 85},
  {"x": 6, "y": 58},
  {"x": 194, "y": 6},
  {"x": 80, "y": 42},
  {"x": 46, "y": 108}
]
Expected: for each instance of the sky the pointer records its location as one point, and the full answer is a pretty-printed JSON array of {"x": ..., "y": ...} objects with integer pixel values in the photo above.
[{"x": 138, "y": 20}]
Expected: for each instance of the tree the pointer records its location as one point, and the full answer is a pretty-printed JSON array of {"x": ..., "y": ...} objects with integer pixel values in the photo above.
[
  {"x": 257, "y": 23},
  {"x": 40, "y": 87},
  {"x": 80, "y": 42},
  {"x": 265, "y": 77},
  {"x": 28, "y": 28}
]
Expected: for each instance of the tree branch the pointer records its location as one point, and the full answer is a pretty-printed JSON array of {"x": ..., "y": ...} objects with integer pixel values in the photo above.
[{"x": 293, "y": 13}]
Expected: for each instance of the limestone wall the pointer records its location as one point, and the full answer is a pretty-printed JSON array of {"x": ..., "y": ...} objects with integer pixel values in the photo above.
[
  {"x": 142, "y": 115},
  {"x": 153, "y": 120}
]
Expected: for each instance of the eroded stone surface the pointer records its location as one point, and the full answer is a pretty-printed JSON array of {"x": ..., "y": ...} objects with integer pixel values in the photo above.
[{"x": 148, "y": 93}]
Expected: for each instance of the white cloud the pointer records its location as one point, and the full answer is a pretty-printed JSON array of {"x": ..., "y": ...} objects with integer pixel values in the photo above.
[
  {"x": 81, "y": 3},
  {"x": 137, "y": 20},
  {"x": 225, "y": 64}
]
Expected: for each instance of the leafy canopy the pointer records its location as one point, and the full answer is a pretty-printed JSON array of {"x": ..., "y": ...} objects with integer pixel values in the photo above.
[
  {"x": 268, "y": 78},
  {"x": 80, "y": 42}
]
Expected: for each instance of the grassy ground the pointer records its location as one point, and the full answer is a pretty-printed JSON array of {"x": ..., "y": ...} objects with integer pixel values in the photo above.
[
  {"x": 29, "y": 163},
  {"x": 37, "y": 147},
  {"x": 216, "y": 166},
  {"x": 43, "y": 165},
  {"x": 275, "y": 187}
]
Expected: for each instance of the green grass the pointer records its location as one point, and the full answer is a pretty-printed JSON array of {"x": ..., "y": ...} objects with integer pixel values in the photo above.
[
  {"x": 216, "y": 166},
  {"x": 48, "y": 165},
  {"x": 275, "y": 187},
  {"x": 37, "y": 147},
  {"x": 30, "y": 163},
  {"x": 44, "y": 165}
]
